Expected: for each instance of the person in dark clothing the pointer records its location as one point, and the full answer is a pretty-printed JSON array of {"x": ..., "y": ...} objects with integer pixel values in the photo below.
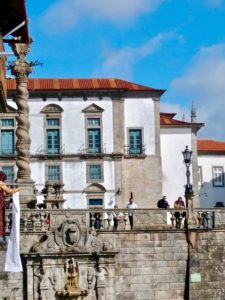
[
  {"x": 162, "y": 203},
  {"x": 4, "y": 190}
]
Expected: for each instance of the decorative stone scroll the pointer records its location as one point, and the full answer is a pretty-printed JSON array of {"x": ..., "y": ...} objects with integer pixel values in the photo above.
[
  {"x": 71, "y": 237},
  {"x": 70, "y": 263}
]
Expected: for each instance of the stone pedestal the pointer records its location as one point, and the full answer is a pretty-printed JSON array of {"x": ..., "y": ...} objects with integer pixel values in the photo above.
[{"x": 27, "y": 193}]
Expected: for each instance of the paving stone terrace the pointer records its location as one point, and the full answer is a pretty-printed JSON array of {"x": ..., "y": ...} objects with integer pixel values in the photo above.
[{"x": 165, "y": 256}]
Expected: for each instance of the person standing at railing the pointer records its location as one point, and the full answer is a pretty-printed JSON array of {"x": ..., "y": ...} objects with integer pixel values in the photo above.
[
  {"x": 179, "y": 203},
  {"x": 162, "y": 203},
  {"x": 117, "y": 217},
  {"x": 4, "y": 190},
  {"x": 131, "y": 205}
]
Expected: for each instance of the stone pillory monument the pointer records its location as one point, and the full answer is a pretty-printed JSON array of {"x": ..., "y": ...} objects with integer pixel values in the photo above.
[{"x": 76, "y": 236}]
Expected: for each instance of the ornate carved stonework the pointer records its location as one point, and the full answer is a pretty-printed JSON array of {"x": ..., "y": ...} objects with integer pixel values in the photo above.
[
  {"x": 53, "y": 191},
  {"x": 71, "y": 237},
  {"x": 52, "y": 108},
  {"x": 93, "y": 108},
  {"x": 70, "y": 263}
]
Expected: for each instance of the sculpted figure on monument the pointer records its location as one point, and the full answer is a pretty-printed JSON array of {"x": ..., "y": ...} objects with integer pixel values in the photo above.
[{"x": 72, "y": 283}]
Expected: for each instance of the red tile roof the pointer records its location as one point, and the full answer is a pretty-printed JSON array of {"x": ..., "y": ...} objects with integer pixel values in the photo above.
[
  {"x": 167, "y": 119},
  {"x": 44, "y": 84},
  {"x": 210, "y": 146}
]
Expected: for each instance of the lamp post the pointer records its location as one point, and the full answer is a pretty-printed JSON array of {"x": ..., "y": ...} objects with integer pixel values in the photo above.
[{"x": 188, "y": 187}]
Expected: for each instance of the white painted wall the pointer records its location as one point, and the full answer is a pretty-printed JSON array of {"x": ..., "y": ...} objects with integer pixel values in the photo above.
[
  {"x": 139, "y": 113},
  {"x": 173, "y": 142},
  {"x": 208, "y": 194},
  {"x": 73, "y": 122}
]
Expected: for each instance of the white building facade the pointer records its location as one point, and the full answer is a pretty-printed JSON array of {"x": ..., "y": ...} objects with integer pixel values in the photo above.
[
  {"x": 211, "y": 166},
  {"x": 100, "y": 137}
]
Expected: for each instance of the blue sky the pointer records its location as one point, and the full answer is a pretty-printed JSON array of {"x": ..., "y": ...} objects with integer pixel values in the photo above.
[{"x": 177, "y": 45}]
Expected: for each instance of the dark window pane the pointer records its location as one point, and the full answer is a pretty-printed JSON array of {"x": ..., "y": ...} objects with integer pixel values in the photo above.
[
  {"x": 7, "y": 141},
  {"x": 94, "y": 172},
  {"x": 94, "y": 141},
  {"x": 7, "y": 122},
  {"x": 95, "y": 202},
  {"x": 135, "y": 141},
  {"x": 53, "y": 145},
  {"x": 53, "y": 173},
  {"x": 94, "y": 121},
  {"x": 53, "y": 122},
  {"x": 9, "y": 171}
]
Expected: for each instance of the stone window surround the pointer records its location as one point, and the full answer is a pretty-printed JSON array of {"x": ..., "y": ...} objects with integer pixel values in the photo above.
[
  {"x": 222, "y": 175},
  {"x": 88, "y": 179},
  {"x": 53, "y": 164},
  {"x": 87, "y": 126},
  {"x": 95, "y": 196},
  {"x": 93, "y": 111},
  {"x": 52, "y": 111},
  {"x": 47, "y": 127}
]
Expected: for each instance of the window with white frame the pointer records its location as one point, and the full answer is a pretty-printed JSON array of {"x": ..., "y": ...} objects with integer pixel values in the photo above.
[
  {"x": 218, "y": 176},
  {"x": 94, "y": 173},
  {"x": 7, "y": 136},
  {"x": 53, "y": 172}
]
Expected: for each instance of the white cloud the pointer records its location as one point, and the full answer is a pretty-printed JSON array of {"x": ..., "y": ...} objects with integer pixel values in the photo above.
[
  {"x": 215, "y": 3},
  {"x": 204, "y": 82},
  {"x": 120, "y": 62},
  {"x": 64, "y": 14}
]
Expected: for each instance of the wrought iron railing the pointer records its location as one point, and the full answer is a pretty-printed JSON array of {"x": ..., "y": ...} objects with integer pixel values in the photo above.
[
  {"x": 134, "y": 151},
  {"x": 42, "y": 151}
]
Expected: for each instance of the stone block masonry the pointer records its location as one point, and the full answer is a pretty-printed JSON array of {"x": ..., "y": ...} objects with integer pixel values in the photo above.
[{"x": 146, "y": 264}]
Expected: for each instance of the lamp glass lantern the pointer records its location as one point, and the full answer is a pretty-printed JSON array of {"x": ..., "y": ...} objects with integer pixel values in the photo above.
[{"x": 187, "y": 154}]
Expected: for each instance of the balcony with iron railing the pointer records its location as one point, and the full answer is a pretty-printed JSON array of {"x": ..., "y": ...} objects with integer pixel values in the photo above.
[
  {"x": 45, "y": 153},
  {"x": 92, "y": 152},
  {"x": 8, "y": 153},
  {"x": 131, "y": 151}
]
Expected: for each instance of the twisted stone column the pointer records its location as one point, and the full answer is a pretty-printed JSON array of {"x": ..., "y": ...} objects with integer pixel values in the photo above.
[{"x": 21, "y": 69}]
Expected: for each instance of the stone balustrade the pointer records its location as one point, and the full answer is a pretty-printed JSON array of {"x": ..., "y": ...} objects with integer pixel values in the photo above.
[{"x": 41, "y": 220}]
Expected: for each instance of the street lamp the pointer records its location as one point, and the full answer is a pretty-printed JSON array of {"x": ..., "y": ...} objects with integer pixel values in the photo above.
[{"x": 188, "y": 187}]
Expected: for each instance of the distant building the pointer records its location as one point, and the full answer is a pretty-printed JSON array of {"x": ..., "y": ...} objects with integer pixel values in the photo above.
[
  {"x": 175, "y": 135},
  {"x": 211, "y": 166}
]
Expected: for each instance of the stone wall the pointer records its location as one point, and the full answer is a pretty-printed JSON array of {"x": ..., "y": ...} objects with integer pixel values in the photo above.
[
  {"x": 147, "y": 263},
  {"x": 207, "y": 266}
]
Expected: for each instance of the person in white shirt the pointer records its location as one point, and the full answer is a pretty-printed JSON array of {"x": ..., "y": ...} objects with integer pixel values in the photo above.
[{"x": 131, "y": 205}]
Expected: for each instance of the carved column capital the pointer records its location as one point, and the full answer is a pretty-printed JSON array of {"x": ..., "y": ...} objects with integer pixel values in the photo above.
[{"x": 21, "y": 68}]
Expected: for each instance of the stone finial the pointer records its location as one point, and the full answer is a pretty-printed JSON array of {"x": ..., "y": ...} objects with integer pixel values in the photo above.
[{"x": 193, "y": 113}]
